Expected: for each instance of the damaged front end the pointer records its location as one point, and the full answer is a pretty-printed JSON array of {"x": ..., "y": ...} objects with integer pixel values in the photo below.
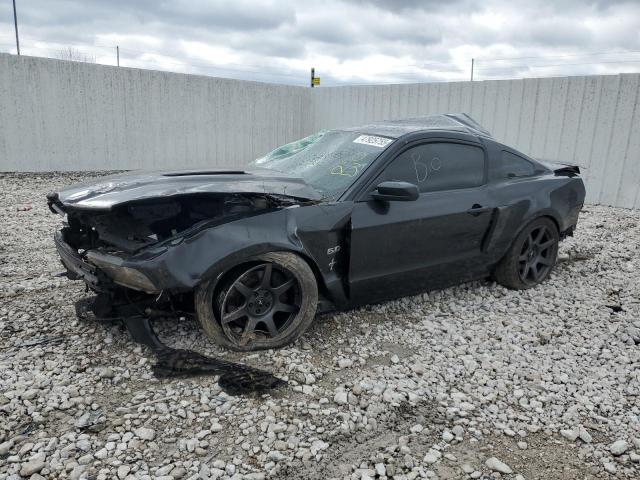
[
  {"x": 143, "y": 246},
  {"x": 112, "y": 248},
  {"x": 116, "y": 227}
]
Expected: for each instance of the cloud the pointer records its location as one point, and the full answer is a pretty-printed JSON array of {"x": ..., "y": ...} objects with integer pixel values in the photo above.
[
  {"x": 228, "y": 15},
  {"x": 347, "y": 41},
  {"x": 404, "y": 6}
]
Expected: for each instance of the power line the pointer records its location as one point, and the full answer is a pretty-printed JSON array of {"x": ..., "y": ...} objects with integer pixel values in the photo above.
[
  {"x": 559, "y": 56},
  {"x": 257, "y": 68},
  {"x": 181, "y": 58},
  {"x": 359, "y": 83},
  {"x": 512, "y": 67},
  {"x": 211, "y": 66},
  {"x": 420, "y": 65},
  {"x": 432, "y": 64},
  {"x": 421, "y": 71}
]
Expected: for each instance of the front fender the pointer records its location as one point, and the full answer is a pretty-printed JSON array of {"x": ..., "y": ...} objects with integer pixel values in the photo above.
[{"x": 213, "y": 251}]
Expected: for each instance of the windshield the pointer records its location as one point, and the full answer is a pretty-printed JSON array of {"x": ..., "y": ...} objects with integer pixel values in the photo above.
[{"x": 329, "y": 161}]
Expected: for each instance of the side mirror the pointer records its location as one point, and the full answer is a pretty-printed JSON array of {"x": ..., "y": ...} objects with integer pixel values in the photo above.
[{"x": 396, "y": 191}]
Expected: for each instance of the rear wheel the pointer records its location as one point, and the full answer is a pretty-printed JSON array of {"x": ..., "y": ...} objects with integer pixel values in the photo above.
[
  {"x": 531, "y": 257},
  {"x": 267, "y": 303}
]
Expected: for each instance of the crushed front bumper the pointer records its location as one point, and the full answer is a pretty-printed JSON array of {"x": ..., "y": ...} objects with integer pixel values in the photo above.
[
  {"x": 77, "y": 267},
  {"x": 101, "y": 271}
]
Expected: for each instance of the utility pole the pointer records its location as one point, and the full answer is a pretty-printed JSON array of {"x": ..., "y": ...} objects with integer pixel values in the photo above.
[
  {"x": 118, "y": 54},
  {"x": 472, "y": 60},
  {"x": 15, "y": 22}
]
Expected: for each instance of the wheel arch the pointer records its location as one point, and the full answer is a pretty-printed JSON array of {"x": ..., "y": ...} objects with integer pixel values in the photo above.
[
  {"x": 220, "y": 271},
  {"x": 542, "y": 214},
  {"x": 503, "y": 271},
  {"x": 211, "y": 288},
  {"x": 548, "y": 215}
]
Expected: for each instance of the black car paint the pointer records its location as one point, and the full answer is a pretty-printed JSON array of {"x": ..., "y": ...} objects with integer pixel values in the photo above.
[
  {"x": 364, "y": 250},
  {"x": 119, "y": 189}
]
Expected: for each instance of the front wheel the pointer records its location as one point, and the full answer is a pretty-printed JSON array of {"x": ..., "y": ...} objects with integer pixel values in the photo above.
[
  {"x": 266, "y": 303},
  {"x": 531, "y": 257}
]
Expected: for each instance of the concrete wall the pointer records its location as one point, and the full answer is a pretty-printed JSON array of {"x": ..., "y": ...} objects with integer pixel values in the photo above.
[
  {"x": 592, "y": 121},
  {"x": 58, "y": 115}
]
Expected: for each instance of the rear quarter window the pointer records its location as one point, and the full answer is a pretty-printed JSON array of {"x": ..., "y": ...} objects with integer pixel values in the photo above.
[{"x": 509, "y": 165}]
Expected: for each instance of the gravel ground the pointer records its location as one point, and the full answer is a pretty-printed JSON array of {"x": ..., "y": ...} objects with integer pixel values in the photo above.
[{"x": 474, "y": 381}]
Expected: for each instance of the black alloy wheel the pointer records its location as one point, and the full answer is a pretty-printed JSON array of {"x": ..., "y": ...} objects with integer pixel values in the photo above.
[
  {"x": 537, "y": 256},
  {"x": 531, "y": 257},
  {"x": 261, "y": 301},
  {"x": 267, "y": 302}
]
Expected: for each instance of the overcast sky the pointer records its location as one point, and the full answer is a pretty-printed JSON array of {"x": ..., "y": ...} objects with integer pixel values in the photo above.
[{"x": 347, "y": 41}]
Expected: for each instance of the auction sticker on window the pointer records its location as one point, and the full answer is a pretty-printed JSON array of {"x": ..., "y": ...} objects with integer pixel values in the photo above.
[{"x": 373, "y": 140}]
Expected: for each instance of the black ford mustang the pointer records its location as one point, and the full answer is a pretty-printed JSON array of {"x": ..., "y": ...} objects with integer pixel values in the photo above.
[{"x": 338, "y": 219}]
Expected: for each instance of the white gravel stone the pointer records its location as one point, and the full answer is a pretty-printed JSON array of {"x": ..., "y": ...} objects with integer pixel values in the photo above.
[
  {"x": 341, "y": 397},
  {"x": 275, "y": 455},
  {"x": 123, "y": 471},
  {"x": 5, "y": 447},
  {"x": 345, "y": 363},
  {"x": 497, "y": 466},
  {"x": 216, "y": 427},
  {"x": 318, "y": 446},
  {"x": 432, "y": 456},
  {"x": 618, "y": 447},
  {"x": 468, "y": 469},
  {"x": 447, "y": 436},
  {"x": 35, "y": 464},
  {"x": 584, "y": 435},
  {"x": 144, "y": 433},
  {"x": 570, "y": 434}
]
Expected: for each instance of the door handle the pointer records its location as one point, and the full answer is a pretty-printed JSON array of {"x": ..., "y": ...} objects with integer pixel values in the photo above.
[{"x": 477, "y": 209}]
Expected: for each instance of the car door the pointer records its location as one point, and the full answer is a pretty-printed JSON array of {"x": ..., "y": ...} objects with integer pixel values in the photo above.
[{"x": 400, "y": 247}]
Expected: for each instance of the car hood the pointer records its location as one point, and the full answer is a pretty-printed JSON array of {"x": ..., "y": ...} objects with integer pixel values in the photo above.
[{"x": 110, "y": 191}]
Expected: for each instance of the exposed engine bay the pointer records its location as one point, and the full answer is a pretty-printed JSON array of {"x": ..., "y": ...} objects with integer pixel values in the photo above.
[{"x": 131, "y": 227}]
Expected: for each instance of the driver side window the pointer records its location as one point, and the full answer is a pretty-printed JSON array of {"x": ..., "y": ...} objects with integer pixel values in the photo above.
[{"x": 438, "y": 166}]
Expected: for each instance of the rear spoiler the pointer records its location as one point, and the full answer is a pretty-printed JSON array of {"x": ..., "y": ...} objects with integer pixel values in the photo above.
[{"x": 562, "y": 169}]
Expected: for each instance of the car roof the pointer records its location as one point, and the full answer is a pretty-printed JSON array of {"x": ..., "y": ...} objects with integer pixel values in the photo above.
[{"x": 452, "y": 122}]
